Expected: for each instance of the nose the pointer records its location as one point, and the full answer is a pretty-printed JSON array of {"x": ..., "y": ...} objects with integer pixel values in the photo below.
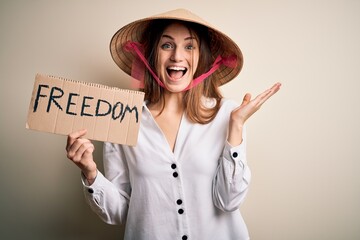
[{"x": 177, "y": 55}]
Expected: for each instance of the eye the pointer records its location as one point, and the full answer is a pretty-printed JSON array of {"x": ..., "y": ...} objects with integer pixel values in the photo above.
[
  {"x": 190, "y": 47},
  {"x": 166, "y": 46}
]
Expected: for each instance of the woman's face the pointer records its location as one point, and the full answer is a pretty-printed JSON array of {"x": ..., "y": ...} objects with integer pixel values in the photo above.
[{"x": 177, "y": 58}]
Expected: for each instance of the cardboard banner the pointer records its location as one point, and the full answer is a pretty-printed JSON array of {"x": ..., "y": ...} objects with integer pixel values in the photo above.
[{"x": 63, "y": 106}]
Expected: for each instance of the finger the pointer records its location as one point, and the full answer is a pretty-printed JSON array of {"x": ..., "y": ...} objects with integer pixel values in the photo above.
[
  {"x": 275, "y": 88},
  {"x": 88, "y": 148},
  {"x": 82, "y": 153},
  {"x": 261, "y": 98},
  {"x": 73, "y": 136},
  {"x": 85, "y": 150},
  {"x": 246, "y": 99},
  {"x": 74, "y": 148}
]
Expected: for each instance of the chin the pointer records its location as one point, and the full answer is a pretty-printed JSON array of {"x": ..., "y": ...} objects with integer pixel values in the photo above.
[
  {"x": 179, "y": 87},
  {"x": 175, "y": 89}
]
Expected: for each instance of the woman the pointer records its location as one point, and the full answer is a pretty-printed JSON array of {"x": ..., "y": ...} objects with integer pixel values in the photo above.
[{"x": 187, "y": 175}]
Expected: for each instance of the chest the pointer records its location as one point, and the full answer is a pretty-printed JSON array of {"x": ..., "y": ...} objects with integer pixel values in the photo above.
[
  {"x": 196, "y": 151},
  {"x": 168, "y": 125}
]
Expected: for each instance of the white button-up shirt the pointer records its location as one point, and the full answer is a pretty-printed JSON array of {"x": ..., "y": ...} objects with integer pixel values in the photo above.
[{"x": 193, "y": 192}]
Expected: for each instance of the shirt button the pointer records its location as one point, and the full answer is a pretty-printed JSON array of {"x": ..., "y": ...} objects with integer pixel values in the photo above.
[
  {"x": 179, "y": 202},
  {"x": 184, "y": 237},
  {"x": 235, "y": 154},
  {"x": 181, "y": 211},
  {"x": 90, "y": 190},
  {"x": 175, "y": 174},
  {"x": 173, "y": 166}
]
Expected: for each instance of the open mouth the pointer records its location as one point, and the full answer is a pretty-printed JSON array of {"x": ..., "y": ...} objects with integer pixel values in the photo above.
[{"x": 176, "y": 72}]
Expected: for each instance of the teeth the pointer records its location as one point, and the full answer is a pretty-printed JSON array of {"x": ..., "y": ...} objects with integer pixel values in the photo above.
[{"x": 177, "y": 68}]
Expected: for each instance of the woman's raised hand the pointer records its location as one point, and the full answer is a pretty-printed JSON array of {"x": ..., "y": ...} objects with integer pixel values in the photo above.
[
  {"x": 80, "y": 151},
  {"x": 247, "y": 108}
]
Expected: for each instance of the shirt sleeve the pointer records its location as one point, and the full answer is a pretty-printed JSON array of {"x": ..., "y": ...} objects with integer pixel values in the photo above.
[
  {"x": 230, "y": 184},
  {"x": 109, "y": 196}
]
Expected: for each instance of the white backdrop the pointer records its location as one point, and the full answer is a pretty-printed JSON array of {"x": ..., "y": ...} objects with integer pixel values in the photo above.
[{"x": 303, "y": 146}]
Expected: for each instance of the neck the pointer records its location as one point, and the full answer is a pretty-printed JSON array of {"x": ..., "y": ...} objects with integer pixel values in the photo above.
[{"x": 171, "y": 103}]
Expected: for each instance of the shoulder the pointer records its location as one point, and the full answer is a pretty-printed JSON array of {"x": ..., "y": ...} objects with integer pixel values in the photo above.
[
  {"x": 224, "y": 103},
  {"x": 228, "y": 104}
]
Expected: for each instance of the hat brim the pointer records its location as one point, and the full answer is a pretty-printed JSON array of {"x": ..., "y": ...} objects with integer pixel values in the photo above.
[{"x": 221, "y": 44}]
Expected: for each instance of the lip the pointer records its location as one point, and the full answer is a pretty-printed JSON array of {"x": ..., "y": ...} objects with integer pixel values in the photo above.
[{"x": 185, "y": 71}]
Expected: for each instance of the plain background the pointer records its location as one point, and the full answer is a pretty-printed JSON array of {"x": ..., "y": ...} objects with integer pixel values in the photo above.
[{"x": 303, "y": 145}]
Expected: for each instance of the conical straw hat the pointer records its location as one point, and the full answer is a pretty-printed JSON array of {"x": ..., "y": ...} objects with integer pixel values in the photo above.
[{"x": 220, "y": 44}]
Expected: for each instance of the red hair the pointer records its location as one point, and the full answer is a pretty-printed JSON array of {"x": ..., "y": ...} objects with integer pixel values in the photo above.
[{"x": 194, "y": 104}]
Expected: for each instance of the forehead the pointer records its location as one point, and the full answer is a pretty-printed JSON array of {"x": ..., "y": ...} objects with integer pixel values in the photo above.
[{"x": 179, "y": 29}]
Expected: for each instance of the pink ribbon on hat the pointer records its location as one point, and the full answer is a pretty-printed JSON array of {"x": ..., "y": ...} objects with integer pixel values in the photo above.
[
  {"x": 137, "y": 69},
  {"x": 230, "y": 61}
]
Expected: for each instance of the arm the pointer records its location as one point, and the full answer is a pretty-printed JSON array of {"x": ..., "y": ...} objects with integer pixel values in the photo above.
[
  {"x": 107, "y": 197},
  {"x": 233, "y": 174},
  {"x": 232, "y": 177}
]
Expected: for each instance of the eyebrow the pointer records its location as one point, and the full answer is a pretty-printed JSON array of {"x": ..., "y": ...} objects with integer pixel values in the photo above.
[{"x": 187, "y": 38}]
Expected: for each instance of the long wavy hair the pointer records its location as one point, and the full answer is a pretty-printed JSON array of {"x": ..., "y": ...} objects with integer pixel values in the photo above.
[{"x": 195, "y": 107}]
